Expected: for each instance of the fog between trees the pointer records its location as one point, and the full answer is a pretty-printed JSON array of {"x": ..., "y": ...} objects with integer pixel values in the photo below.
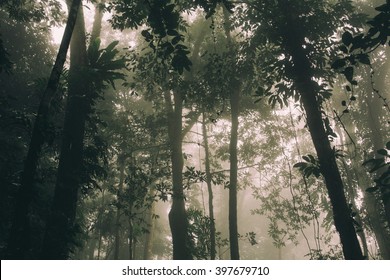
[{"x": 198, "y": 129}]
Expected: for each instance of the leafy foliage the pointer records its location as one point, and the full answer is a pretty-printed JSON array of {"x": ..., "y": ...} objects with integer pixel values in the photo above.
[
  {"x": 105, "y": 66},
  {"x": 199, "y": 227},
  {"x": 310, "y": 166},
  {"x": 162, "y": 35},
  {"x": 356, "y": 48},
  {"x": 381, "y": 164},
  {"x": 5, "y": 63}
]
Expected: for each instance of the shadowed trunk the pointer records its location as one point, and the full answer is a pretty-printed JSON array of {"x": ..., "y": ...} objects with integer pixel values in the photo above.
[
  {"x": 178, "y": 220},
  {"x": 293, "y": 43},
  {"x": 233, "y": 231},
  {"x": 19, "y": 243},
  {"x": 61, "y": 227}
]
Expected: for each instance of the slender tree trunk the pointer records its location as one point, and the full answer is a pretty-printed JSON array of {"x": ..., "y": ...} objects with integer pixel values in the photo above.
[
  {"x": 177, "y": 216},
  {"x": 233, "y": 231},
  {"x": 178, "y": 220},
  {"x": 352, "y": 196},
  {"x": 149, "y": 235},
  {"x": 131, "y": 238},
  {"x": 234, "y": 105},
  {"x": 97, "y": 22},
  {"x": 121, "y": 162},
  {"x": 99, "y": 222},
  {"x": 377, "y": 138},
  {"x": 293, "y": 42},
  {"x": 209, "y": 187},
  {"x": 61, "y": 227},
  {"x": 372, "y": 202},
  {"x": 19, "y": 243}
]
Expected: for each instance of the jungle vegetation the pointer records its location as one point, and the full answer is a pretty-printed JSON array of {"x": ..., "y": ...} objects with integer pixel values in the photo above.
[{"x": 195, "y": 129}]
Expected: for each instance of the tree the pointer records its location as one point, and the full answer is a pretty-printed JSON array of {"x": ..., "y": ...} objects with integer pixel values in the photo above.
[
  {"x": 19, "y": 243},
  {"x": 61, "y": 227},
  {"x": 295, "y": 36}
]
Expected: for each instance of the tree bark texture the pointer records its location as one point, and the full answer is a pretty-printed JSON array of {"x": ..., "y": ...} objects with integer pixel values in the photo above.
[
  {"x": 178, "y": 220},
  {"x": 61, "y": 227},
  {"x": 293, "y": 43},
  {"x": 19, "y": 243},
  {"x": 233, "y": 229}
]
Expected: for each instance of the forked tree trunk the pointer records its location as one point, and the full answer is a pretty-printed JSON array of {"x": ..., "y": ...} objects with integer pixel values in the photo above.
[
  {"x": 61, "y": 227},
  {"x": 19, "y": 243},
  {"x": 293, "y": 43}
]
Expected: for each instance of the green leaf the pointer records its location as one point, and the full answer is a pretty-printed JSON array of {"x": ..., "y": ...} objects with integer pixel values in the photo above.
[
  {"x": 383, "y": 8},
  {"x": 364, "y": 58},
  {"x": 382, "y": 152},
  {"x": 372, "y": 189},
  {"x": 173, "y": 32},
  {"x": 348, "y": 72},
  {"x": 339, "y": 63},
  {"x": 388, "y": 145},
  {"x": 300, "y": 164},
  {"x": 347, "y": 38},
  {"x": 343, "y": 49},
  {"x": 176, "y": 40}
]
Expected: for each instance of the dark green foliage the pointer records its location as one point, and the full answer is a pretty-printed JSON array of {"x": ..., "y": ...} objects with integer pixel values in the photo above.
[
  {"x": 382, "y": 164},
  {"x": 48, "y": 11},
  {"x": 356, "y": 48},
  {"x": 5, "y": 62},
  {"x": 31, "y": 56},
  {"x": 310, "y": 166},
  {"x": 105, "y": 65},
  {"x": 163, "y": 32},
  {"x": 199, "y": 228}
]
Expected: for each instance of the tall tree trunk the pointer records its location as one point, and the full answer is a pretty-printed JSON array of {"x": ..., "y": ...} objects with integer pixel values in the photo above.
[
  {"x": 19, "y": 243},
  {"x": 234, "y": 105},
  {"x": 61, "y": 227},
  {"x": 151, "y": 225},
  {"x": 209, "y": 187},
  {"x": 372, "y": 202},
  {"x": 97, "y": 21},
  {"x": 378, "y": 133},
  {"x": 178, "y": 220},
  {"x": 233, "y": 231},
  {"x": 293, "y": 43},
  {"x": 177, "y": 215},
  {"x": 100, "y": 231},
  {"x": 131, "y": 238},
  {"x": 117, "y": 242},
  {"x": 352, "y": 201}
]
